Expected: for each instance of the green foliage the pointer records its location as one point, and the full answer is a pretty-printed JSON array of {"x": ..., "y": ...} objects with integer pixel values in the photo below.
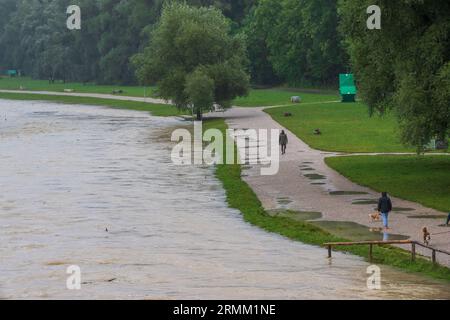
[
  {"x": 405, "y": 65},
  {"x": 193, "y": 43},
  {"x": 200, "y": 91},
  {"x": 298, "y": 39},
  {"x": 423, "y": 179}
]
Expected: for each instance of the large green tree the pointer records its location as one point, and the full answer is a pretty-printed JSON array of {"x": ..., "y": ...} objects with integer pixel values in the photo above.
[
  {"x": 405, "y": 66},
  {"x": 298, "y": 39},
  {"x": 191, "y": 46}
]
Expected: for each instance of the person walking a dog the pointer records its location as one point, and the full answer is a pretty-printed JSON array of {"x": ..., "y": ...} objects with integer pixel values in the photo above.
[
  {"x": 283, "y": 141},
  {"x": 385, "y": 207}
]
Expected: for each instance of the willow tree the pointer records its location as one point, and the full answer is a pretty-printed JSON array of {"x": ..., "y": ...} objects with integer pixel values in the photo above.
[
  {"x": 192, "y": 53},
  {"x": 405, "y": 65}
]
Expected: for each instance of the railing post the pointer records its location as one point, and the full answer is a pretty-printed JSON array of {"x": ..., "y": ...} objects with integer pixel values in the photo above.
[
  {"x": 433, "y": 256},
  {"x": 329, "y": 251},
  {"x": 370, "y": 252},
  {"x": 413, "y": 251}
]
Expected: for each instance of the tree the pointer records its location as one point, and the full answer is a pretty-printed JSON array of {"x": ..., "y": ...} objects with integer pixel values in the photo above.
[
  {"x": 190, "y": 45},
  {"x": 298, "y": 39},
  {"x": 404, "y": 66},
  {"x": 200, "y": 91},
  {"x": 257, "y": 28}
]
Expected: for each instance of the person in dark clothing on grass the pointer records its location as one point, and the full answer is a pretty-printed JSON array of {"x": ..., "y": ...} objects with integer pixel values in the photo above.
[{"x": 384, "y": 207}]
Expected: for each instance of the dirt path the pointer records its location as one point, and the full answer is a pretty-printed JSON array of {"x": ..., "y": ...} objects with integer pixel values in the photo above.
[{"x": 291, "y": 189}]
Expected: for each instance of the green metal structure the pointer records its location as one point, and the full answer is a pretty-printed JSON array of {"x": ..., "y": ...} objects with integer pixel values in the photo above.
[
  {"x": 11, "y": 73},
  {"x": 347, "y": 87}
]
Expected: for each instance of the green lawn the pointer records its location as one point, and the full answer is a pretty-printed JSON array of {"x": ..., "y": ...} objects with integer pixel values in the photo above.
[
  {"x": 345, "y": 127},
  {"x": 280, "y": 96},
  {"x": 44, "y": 85},
  {"x": 241, "y": 197},
  {"x": 424, "y": 179},
  {"x": 155, "y": 109},
  {"x": 256, "y": 97}
]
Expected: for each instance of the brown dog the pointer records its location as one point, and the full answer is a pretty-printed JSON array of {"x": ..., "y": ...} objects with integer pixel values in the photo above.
[
  {"x": 375, "y": 217},
  {"x": 426, "y": 236}
]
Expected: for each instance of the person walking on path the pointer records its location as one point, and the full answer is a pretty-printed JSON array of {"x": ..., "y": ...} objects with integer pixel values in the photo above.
[
  {"x": 283, "y": 141},
  {"x": 385, "y": 207},
  {"x": 448, "y": 219}
]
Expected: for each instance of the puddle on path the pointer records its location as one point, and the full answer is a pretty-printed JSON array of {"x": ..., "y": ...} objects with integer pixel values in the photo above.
[
  {"x": 346, "y": 193},
  {"x": 356, "y": 232},
  {"x": 428, "y": 216},
  {"x": 284, "y": 200},
  {"x": 315, "y": 176},
  {"x": 296, "y": 215},
  {"x": 399, "y": 209},
  {"x": 363, "y": 202}
]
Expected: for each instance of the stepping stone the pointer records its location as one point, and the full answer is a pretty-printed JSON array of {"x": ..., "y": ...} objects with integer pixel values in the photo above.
[
  {"x": 363, "y": 202},
  {"x": 346, "y": 193},
  {"x": 315, "y": 176},
  {"x": 430, "y": 216}
]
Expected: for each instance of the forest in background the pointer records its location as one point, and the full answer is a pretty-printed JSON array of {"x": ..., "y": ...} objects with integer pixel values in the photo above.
[
  {"x": 288, "y": 41},
  {"x": 403, "y": 66}
]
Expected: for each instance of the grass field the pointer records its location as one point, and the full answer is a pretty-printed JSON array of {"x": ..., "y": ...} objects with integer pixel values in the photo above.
[
  {"x": 155, "y": 109},
  {"x": 241, "y": 197},
  {"x": 280, "y": 96},
  {"x": 424, "y": 179},
  {"x": 345, "y": 127},
  {"x": 256, "y": 97},
  {"x": 44, "y": 85}
]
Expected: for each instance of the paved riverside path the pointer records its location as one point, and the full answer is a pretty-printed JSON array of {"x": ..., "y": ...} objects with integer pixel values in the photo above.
[{"x": 290, "y": 188}]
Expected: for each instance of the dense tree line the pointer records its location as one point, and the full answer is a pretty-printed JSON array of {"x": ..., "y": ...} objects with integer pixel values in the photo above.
[
  {"x": 294, "y": 41},
  {"x": 404, "y": 66}
]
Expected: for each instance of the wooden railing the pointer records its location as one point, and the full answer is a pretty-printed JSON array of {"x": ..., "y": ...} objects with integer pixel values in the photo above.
[{"x": 413, "y": 244}]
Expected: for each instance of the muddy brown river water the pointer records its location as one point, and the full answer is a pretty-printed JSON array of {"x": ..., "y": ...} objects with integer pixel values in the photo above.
[{"x": 68, "y": 172}]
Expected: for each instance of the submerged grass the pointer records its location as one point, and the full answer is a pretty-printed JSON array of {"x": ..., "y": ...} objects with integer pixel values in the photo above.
[
  {"x": 161, "y": 110},
  {"x": 241, "y": 197}
]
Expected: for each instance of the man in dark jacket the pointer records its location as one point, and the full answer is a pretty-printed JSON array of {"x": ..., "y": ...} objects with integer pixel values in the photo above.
[
  {"x": 384, "y": 207},
  {"x": 283, "y": 141}
]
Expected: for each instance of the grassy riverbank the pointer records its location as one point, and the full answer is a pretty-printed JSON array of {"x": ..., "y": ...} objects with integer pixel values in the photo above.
[
  {"x": 161, "y": 110},
  {"x": 255, "y": 98},
  {"x": 43, "y": 85},
  {"x": 424, "y": 179},
  {"x": 240, "y": 196}
]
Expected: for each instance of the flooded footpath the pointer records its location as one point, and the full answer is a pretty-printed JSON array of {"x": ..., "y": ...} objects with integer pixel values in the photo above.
[{"x": 95, "y": 187}]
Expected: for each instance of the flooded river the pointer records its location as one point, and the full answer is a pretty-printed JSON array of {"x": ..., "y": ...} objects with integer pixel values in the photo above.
[{"x": 69, "y": 173}]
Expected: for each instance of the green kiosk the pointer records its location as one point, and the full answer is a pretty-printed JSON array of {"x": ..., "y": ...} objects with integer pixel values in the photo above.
[{"x": 347, "y": 87}]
